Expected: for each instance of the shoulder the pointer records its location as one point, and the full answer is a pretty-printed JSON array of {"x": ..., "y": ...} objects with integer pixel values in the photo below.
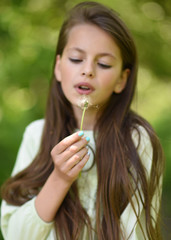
[
  {"x": 140, "y": 135},
  {"x": 35, "y": 126},
  {"x": 141, "y": 139},
  {"x": 33, "y": 135},
  {"x": 141, "y": 131},
  {"x": 143, "y": 144},
  {"x": 29, "y": 146},
  {"x": 35, "y": 129}
]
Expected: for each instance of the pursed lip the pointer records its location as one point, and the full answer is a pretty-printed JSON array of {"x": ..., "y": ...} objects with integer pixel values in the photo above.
[{"x": 84, "y": 88}]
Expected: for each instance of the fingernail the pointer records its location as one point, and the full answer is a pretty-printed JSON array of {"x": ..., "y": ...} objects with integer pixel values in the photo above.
[
  {"x": 81, "y": 133},
  {"x": 88, "y": 139}
]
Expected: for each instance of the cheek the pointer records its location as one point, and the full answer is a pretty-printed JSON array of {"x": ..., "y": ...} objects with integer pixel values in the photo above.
[
  {"x": 109, "y": 80},
  {"x": 67, "y": 71},
  {"x": 65, "y": 74}
]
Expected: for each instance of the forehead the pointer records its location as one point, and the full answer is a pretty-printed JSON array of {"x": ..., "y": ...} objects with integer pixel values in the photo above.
[{"x": 89, "y": 36}]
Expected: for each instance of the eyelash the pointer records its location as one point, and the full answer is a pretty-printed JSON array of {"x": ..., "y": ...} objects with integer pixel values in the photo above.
[
  {"x": 104, "y": 66},
  {"x": 74, "y": 60}
]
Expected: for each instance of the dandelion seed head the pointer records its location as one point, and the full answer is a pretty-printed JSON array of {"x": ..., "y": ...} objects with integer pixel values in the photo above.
[{"x": 84, "y": 102}]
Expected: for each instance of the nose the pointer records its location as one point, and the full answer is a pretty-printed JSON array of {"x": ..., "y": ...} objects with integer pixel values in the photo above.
[
  {"x": 88, "y": 70},
  {"x": 87, "y": 74}
]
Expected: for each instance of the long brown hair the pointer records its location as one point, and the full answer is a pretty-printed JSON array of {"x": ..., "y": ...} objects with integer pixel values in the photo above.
[{"x": 115, "y": 154}]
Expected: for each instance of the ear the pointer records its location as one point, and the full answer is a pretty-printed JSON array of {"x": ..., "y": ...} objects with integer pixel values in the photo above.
[
  {"x": 57, "y": 70},
  {"x": 121, "y": 84}
]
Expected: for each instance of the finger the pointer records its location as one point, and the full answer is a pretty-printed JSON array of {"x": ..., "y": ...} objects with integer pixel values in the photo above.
[
  {"x": 66, "y": 142},
  {"x": 77, "y": 168},
  {"x": 73, "y": 149},
  {"x": 75, "y": 159}
]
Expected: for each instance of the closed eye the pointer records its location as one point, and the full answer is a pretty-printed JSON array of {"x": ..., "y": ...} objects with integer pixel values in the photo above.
[
  {"x": 105, "y": 66},
  {"x": 75, "y": 60}
]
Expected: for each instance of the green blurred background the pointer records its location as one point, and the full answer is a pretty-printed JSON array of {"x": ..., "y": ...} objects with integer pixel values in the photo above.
[{"x": 28, "y": 36}]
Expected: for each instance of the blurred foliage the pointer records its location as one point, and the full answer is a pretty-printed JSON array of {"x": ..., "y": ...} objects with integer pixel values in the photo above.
[{"x": 28, "y": 36}]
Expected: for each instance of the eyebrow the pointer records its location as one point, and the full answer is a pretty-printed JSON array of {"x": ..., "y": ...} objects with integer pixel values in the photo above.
[{"x": 103, "y": 54}]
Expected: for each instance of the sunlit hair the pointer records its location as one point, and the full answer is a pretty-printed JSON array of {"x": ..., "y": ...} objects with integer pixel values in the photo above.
[{"x": 119, "y": 169}]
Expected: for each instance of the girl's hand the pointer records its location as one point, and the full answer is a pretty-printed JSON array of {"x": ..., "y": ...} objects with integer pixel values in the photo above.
[{"x": 69, "y": 156}]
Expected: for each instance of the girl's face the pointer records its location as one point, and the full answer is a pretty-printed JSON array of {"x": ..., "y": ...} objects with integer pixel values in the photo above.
[{"x": 91, "y": 65}]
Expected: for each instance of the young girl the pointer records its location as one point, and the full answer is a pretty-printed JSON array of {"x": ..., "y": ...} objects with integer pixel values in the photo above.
[{"x": 101, "y": 183}]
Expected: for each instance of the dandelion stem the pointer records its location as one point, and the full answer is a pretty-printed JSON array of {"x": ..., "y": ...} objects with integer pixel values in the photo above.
[{"x": 83, "y": 114}]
